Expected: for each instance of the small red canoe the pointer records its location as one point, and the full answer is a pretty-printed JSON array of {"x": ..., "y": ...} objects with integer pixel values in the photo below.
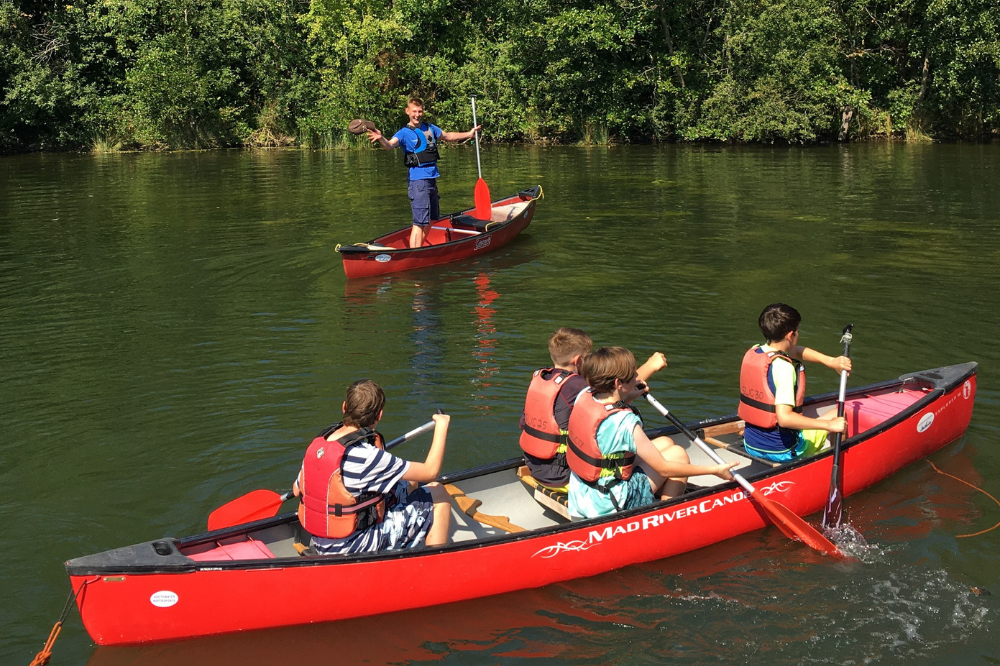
[
  {"x": 456, "y": 236},
  {"x": 252, "y": 577}
]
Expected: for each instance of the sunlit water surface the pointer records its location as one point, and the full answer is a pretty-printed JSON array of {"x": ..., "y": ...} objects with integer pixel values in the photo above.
[{"x": 176, "y": 327}]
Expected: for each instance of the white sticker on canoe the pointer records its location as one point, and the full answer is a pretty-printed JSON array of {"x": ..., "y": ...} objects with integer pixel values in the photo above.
[
  {"x": 382, "y": 258},
  {"x": 163, "y": 599},
  {"x": 483, "y": 242},
  {"x": 967, "y": 389},
  {"x": 597, "y": 537},
  {"x": 925, "y": 421}
]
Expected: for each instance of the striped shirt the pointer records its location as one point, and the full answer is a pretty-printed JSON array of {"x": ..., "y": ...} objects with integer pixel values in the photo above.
[{"x": 366, "y": 468}]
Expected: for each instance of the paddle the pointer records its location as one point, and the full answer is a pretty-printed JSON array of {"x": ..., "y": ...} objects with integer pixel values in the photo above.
[
  {"x": 833, "y": 512},
  {"x": 484, "y": 207},
  {"x": 260, "y": 504},
  {"x": 789, "y": 523}
]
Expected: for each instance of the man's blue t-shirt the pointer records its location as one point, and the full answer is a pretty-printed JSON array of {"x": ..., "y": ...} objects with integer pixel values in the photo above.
[{"x": 410, "y": 140}]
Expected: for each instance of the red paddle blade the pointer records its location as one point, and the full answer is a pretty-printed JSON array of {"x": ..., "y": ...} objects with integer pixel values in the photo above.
[
  {"x": 484, "y": 208},
  {"x": 246, "y": 509},
  {"x": 795, "y": 528}
]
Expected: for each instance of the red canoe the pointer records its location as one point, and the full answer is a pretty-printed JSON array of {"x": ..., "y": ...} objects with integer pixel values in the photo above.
[
  {"x": 251, "y": 576},
  {"x": 456, "y": 236}
]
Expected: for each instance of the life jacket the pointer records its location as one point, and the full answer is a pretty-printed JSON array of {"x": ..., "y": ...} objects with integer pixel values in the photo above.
[
  {"x": 540, "y": 434},
  {"x": 757, "y": 387},
  {"x": 426, "y": 151},
  {"x": 327, "y": 509},
  {"x": 583, "y": 454}
]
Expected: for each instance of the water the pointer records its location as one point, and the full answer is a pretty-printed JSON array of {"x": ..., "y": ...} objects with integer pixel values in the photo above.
[{"x": 176, "y": 327}]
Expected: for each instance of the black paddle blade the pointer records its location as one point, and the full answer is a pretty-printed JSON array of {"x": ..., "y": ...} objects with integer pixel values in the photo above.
[{"x": 833, "y": 513}]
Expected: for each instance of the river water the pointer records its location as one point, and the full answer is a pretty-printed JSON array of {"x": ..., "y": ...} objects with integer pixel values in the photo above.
[{"x": 175, "y": 328}]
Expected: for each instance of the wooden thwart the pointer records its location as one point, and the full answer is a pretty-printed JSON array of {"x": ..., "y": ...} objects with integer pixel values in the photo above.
[
  {"x": 468, "y": 506},
  {"x": 550, "y": 499}
]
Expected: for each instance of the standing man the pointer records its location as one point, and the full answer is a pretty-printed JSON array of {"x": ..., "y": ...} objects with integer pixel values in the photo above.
[{"x": 420, "y": 154}]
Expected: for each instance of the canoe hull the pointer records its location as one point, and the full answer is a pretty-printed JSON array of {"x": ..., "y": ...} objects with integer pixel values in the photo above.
[
  {"x": 122, "y": 607},
  {"x": 376, "y": 262}
]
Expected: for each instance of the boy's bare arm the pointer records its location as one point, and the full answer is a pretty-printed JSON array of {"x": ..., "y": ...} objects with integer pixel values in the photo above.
[
  {"x": 649, "y": 454},
  {"x": 836, "y": 363},
  {"x": 653, "y": 364},
  {"x": 790, "y": 419},
  {"x": 431, "y": 467}
]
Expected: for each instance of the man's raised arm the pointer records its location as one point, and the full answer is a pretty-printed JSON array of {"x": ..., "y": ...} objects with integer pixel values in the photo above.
[
  {"x": 376, "y": 135},
  {"x": 460, "y": 136}
]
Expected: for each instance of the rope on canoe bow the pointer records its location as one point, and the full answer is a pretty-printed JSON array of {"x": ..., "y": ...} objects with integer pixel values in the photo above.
[
  {"x": 989, "y": 529},
  {"x": 43, "y": 657}
]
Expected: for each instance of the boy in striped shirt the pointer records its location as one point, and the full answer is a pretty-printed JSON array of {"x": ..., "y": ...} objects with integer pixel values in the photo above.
[{"x": 413, "y": 515}]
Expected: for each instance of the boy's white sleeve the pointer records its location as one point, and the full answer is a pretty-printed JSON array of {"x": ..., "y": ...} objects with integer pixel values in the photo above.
[{"x": 783, "y": 374}]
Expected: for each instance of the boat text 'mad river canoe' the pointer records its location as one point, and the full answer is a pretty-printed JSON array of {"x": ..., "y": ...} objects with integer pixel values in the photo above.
[
  {"x": 453, "y": 237},
  {"x": 253, "y": 577}
]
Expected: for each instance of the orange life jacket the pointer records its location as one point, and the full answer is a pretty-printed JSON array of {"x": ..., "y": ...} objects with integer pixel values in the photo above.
[
  {"x": 540, "y": 434},
  {"x": 583, "y": 454},
  {"x": 756, "y": 388},
  {"x": 327, "y": 509}
]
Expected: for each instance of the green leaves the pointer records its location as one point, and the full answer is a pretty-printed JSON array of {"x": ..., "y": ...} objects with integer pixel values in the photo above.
[{"x": 195, "y": 73}]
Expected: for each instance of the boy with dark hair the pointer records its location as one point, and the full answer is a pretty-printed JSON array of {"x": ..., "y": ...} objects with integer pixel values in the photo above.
[
  {"x": 615, "y": 466},
  {"x": 549, "y": 402},
  {"x": 357, "y": 497},
  {"x": 773, "y": 386},
  {"x": 420, "y": 155}
]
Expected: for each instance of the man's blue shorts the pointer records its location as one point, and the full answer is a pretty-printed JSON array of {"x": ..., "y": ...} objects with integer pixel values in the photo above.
[{"x": 424, "y": 201}]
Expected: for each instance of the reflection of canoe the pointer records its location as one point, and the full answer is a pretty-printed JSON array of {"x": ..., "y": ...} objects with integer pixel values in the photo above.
[
  {"x": 251, "y": 576},
  {"x": 456, "y": 236}
]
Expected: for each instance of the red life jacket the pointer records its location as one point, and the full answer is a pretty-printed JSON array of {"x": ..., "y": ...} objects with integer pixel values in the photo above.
[
  {"x": 583, "y": 454},
  {"x": 540, "y": 434},
  {"x": 756, "y": 395},
  {"x": 327, "y": 509}
]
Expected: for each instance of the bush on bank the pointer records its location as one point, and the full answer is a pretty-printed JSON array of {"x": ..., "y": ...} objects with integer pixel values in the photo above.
[{"x": 112, "y": 74}]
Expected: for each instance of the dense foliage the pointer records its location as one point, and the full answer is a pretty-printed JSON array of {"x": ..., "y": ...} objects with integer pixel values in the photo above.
[{"x": 191, "y": 73}]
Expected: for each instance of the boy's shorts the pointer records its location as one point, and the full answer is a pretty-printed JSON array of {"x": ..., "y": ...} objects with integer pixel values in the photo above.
[
  {"x": 424, "y": 201},
  {"x": 810, "y": 442}
]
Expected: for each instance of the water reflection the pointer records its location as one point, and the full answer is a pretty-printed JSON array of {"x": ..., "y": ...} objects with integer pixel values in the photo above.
[{"x": 486, "y": 340}]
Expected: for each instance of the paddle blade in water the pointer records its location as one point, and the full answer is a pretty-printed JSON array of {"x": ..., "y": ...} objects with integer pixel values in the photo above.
[
  {"x": 795, "y": 528},
  {"x": 253, "y": 506},
  {"x": 484, "y": 209},
  {"x": 833, "y": 513}
]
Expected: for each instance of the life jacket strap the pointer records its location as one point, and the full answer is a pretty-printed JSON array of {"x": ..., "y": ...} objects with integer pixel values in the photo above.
[
  {"x": 548, "y": 437},
  {"x": 603, "y": 463},
  {"x": 763, "y": 406}
]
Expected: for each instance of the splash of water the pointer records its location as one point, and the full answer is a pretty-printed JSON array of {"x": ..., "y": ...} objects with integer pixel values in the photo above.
[{"x": 852, "y": 543}]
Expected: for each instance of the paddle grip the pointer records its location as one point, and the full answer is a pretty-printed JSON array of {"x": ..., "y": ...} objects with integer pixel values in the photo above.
[{"x": 697, "y": 440}]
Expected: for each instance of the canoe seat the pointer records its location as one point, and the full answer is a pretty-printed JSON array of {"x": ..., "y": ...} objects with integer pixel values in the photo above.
[
  {"x": 500, "y": 215},
  {"x": 551, "y": 499}
]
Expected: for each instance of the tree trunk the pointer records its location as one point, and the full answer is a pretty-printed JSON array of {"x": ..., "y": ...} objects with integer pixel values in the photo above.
[
  {"x": 845, "y": 121},
  {"x": 925, "y": 77},
  {"x": 670, "y": 45}
]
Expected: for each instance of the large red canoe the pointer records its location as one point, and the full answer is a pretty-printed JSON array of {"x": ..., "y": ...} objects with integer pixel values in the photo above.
[
  {"x": 456, "y": 236},
  {"x": 252, "y": 577}
]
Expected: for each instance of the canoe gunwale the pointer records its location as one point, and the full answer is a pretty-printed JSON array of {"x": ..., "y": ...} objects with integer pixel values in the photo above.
[
  {"x": 938, "y": 388},
  {"x": 531, "y": 194}
]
